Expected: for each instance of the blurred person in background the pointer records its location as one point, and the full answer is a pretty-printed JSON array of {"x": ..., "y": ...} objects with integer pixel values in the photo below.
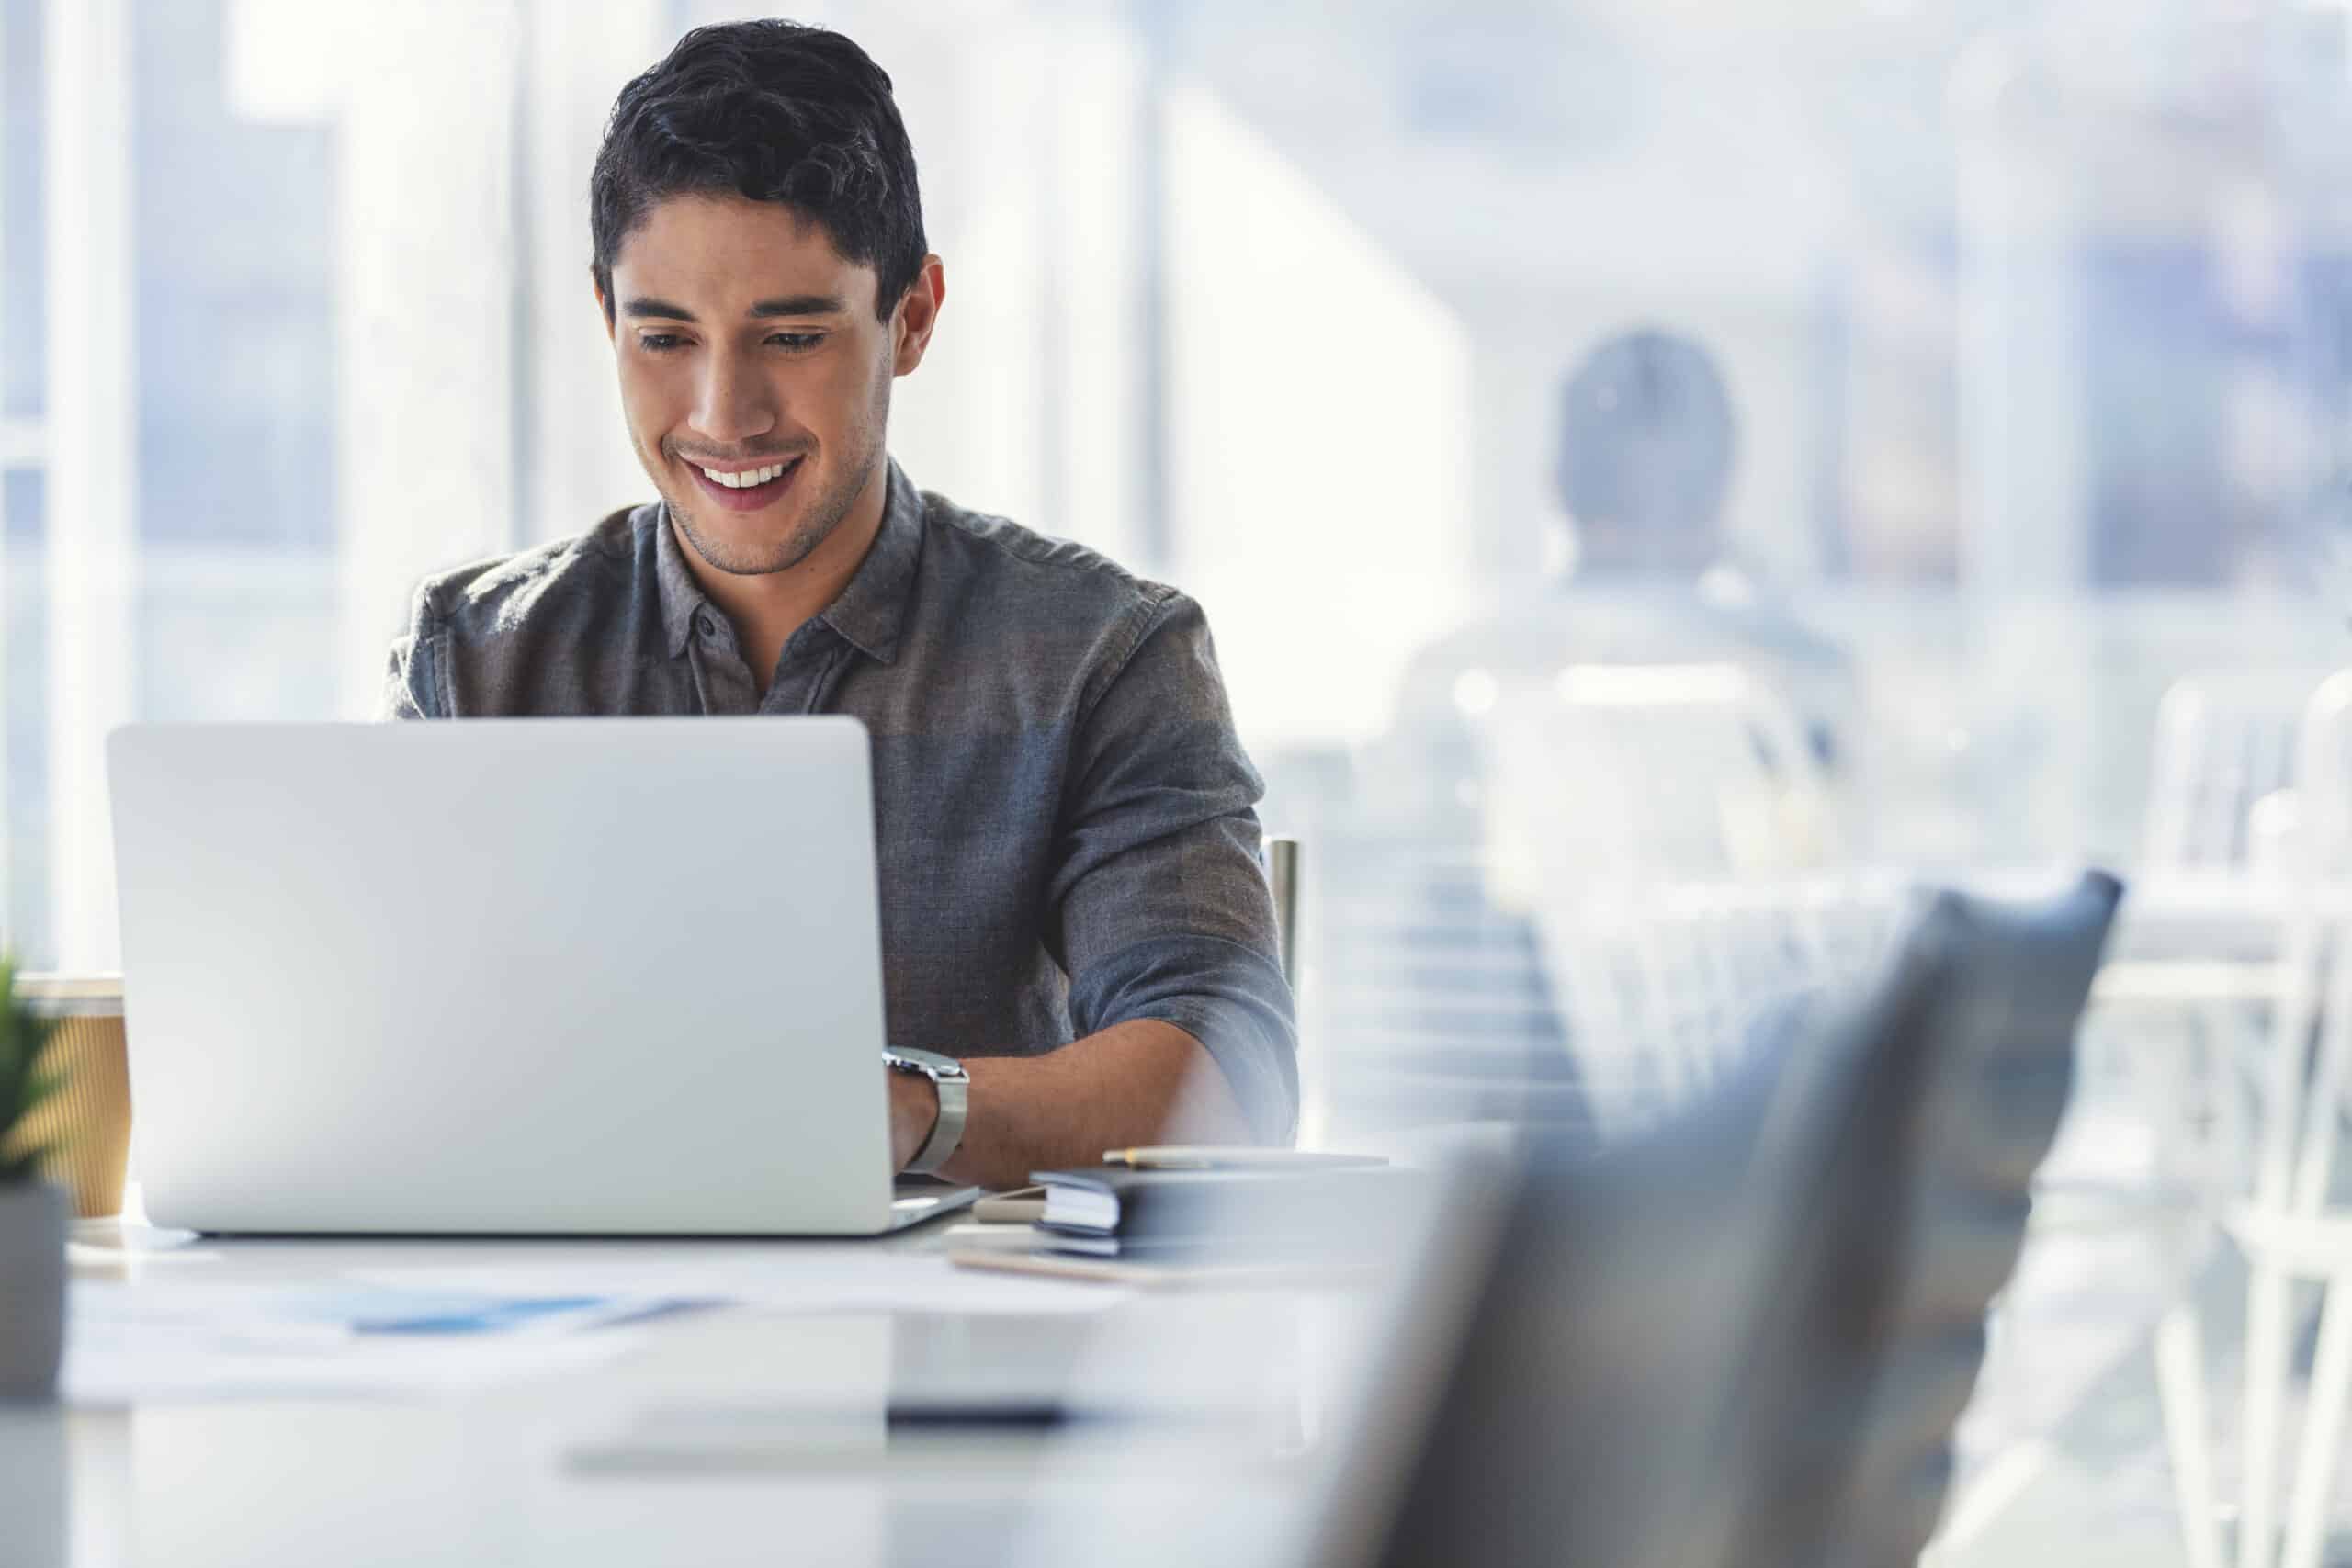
[
  {"x": 1643, "y": 574},
  {"x": 1066, "y": 824}
]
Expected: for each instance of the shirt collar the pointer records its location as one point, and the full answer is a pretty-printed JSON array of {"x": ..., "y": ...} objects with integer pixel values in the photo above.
[
  {"x": 872, "y": 609},
  {"x": 682, "y": 596},
  {"x": 868, "y": 613}
]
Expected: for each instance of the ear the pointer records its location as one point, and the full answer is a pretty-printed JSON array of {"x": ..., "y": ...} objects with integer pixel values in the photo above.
[
  {"x": 604, "y": 306},
  {"x": 917, "y": 314}
]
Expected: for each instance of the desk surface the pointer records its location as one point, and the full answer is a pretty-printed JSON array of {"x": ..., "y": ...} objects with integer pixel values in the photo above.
[
  {"x": 759, "y": 1432},
  {"x": 751, "y": 1432}
]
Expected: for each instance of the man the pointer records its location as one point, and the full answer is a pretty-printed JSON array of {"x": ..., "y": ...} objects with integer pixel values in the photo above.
[
  {"x": 1640, "y": 572},
  {"x": 1065, "y": 818}
]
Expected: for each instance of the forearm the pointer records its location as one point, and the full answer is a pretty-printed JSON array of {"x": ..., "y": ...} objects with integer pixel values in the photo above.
[{"x": 1140, "y": 1082}]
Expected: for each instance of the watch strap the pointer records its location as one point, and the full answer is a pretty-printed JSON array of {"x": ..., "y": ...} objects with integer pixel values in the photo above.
[{"x": 947, "y": 1132}]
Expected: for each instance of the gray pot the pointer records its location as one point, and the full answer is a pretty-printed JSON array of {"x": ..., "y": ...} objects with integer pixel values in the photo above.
[{"x": 32, "y": 1288}]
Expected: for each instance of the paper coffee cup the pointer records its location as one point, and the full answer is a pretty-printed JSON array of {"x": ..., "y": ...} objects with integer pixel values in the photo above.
[{"x": 86, "y": 1126}]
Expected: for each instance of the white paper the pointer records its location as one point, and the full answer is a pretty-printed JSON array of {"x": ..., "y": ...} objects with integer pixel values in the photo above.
[
  {"x": 801, "y": 1278},
  {"x": 126, "y": 1343}
]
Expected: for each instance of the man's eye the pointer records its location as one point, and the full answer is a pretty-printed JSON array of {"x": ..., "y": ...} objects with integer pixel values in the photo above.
[
  {"x": 659, "y": 343},
  {"x": 795, "y": 340}
]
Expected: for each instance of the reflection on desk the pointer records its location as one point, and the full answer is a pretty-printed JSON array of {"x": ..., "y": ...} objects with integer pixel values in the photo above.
[{"x": 844, "y": 1403}]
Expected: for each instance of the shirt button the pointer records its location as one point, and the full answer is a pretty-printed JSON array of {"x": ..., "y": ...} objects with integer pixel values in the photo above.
[{"x": 705, "y": 625}]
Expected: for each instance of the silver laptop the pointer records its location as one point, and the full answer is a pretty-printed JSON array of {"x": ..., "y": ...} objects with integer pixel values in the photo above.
[{"x": 614, "y": 976}]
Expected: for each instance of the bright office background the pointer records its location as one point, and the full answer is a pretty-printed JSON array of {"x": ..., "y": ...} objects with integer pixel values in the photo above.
[{"x": 2036, "y": 321}]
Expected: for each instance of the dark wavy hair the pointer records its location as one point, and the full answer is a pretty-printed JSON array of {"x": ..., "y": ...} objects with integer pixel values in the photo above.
[{"x": 773, "y": 111}]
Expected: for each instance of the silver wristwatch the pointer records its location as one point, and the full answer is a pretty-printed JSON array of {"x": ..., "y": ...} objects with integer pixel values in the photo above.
[{"x": 948, "y": 1076}]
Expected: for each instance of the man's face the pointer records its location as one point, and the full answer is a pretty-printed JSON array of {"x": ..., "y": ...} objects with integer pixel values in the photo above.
[{"x": 754, "y": 373}]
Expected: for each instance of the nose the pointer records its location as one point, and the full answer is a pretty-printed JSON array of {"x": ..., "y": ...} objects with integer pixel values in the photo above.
[{"x": 732, "y": 404}]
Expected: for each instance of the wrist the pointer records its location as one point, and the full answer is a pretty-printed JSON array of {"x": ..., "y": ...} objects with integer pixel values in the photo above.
[
  {"x": 914, "y": 1113},
  {"x": 941, "y": 1109}
]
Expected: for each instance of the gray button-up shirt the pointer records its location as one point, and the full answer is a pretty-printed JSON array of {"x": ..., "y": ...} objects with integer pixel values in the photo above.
[{"x": 1065, "y": 820}]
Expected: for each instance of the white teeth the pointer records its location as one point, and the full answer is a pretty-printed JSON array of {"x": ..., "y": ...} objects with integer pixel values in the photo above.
[{"x": 747, "y": 478}]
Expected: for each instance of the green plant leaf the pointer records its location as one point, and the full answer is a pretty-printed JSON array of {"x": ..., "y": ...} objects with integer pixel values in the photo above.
[
  {"x": 25, "y": 1038},
  {"x": 41, "y": 1086}
]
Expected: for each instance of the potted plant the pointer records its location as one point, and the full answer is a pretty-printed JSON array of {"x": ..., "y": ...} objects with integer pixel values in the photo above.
[{"x": 32, "y": 1212}]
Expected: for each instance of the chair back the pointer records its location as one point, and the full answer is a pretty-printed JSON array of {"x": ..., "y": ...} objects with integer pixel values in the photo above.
[
  {"x": 1658, "y": 820},
  {"x": 2224, "y": 756},
  {"x": 2305, "y": 1095},
  {"x": 1745, "y": 1337},
  {"x": 1652, "y": 772}
]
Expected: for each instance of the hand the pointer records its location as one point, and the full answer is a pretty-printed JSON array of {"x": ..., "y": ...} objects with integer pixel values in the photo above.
[{"x": 914, "y": 1111}]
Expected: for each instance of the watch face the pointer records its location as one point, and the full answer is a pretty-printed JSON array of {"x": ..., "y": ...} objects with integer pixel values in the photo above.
[{"x": 928, "y": 1063}]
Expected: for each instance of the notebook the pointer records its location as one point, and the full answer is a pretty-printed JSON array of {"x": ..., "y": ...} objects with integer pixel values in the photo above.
[{"x": 1261, "y": 1207}]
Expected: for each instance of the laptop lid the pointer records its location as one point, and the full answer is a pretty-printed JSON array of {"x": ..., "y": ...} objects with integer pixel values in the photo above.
[{"x": 598, "y": 976}]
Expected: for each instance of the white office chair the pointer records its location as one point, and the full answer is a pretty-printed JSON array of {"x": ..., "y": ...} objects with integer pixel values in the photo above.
[
  {"x": 1668, "y": 828},
  {"x": 2225, "y": 747},
  {"x": 2223, "y": 809},
  {"x": 1644, "y": 773},
  {"x": 2172, "y": 1046},
  {"x": 2289, "y": 1230},
  {"x": 2222, "y": 813}
]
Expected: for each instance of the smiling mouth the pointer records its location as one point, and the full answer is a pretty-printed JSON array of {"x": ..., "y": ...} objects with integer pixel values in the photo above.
[
  {"x": 745, "y": 478},
  {"x": 744, "y": 489}
]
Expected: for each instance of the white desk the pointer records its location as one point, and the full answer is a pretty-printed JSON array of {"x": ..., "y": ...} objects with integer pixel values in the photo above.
[
  {"x": 759, "y": 1434},
  {"x": 741, "y": 1433}
]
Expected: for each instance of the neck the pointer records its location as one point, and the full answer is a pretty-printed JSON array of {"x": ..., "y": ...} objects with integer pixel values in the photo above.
[{"x": 766, "y": 609}]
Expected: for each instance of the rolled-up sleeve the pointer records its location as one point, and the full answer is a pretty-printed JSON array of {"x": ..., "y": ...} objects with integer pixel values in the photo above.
[
  {"x": 410, "y": 688},
  {"x": 1157, "y": 900}
]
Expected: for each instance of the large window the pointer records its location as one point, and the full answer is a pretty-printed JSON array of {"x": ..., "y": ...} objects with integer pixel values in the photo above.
[{"x": 2031, "y": 347}]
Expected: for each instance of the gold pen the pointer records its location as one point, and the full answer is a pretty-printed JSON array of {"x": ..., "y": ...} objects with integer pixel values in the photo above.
[{"x": 1210, "y": 1156}]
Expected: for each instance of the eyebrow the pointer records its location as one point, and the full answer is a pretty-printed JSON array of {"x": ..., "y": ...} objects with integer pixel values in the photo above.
[{"x": 790, "y": 305}]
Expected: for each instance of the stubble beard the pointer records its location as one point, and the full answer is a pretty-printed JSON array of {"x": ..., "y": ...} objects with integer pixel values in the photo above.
[
  {"x": 825, "y": 513},
  {"x": 814, "y": 529}
]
